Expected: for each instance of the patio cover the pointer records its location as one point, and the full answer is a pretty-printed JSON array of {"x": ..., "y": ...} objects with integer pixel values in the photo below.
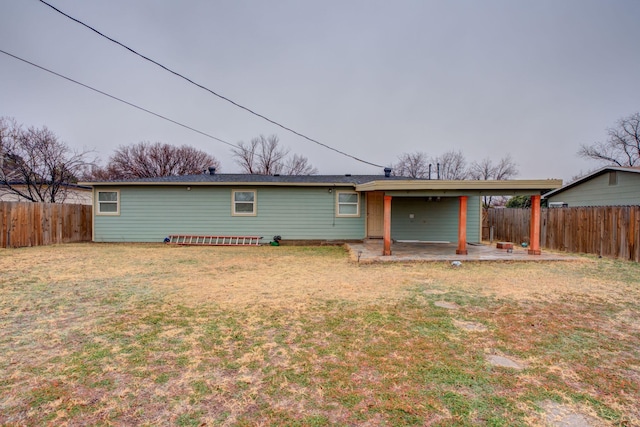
[{"x": 462, "y": 190}]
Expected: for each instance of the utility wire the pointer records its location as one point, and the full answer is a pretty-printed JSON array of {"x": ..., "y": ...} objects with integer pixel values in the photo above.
[
  {"x": 207, "y": 89},
  {"x": 240, "y": 148},
  {"x": 122, "y": 100}
]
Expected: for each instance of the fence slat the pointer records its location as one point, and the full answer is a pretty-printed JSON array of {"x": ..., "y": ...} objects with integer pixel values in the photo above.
[
  {"x": 609, "y": 231},
  {"x": 35, "y": 224}
]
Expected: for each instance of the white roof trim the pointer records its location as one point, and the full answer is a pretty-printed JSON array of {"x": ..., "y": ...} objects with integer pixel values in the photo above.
[{"x": 462, "y": 185}]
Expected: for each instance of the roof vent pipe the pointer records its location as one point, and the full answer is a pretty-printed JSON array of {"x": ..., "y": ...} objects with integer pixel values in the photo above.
[
  {"x": 438, "y": 175},
  {"x": 429, "y": 170},
  {"x": 212, "y": 170},
  {"x": 387, "y": 172}
]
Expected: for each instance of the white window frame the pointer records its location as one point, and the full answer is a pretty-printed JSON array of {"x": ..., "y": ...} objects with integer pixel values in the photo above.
[
  {"x": 338, "y": 204},
  {"x": 116, "y": 202},
  {"x": 233, "y": 203}
]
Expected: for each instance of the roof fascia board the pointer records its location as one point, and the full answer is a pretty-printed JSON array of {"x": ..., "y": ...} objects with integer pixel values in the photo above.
[
  {"x": 220, "y": 184},
  {"x": 532, "y": 186},
  {"x": 456, "y": 193}
]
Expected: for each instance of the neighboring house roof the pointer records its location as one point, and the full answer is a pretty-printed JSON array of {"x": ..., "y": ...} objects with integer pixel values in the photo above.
[
  {"x": 359, "y": 182},
  {"x": 74, "y": 186},
  {"x": 589, "y": 177},
  {"x": 74, "y": 193}
]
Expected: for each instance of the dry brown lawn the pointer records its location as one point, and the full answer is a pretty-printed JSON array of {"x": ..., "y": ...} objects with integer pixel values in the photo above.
[
  {"x": 286, "y": 276},
  {"x": 120, "y": 334}
]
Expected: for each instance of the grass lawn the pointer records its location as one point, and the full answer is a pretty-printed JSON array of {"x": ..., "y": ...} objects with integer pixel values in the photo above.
[{"x": 115, "y": 334}]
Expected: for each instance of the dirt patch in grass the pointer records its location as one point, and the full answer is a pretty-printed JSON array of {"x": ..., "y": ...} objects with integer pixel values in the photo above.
[{"x": 153, "y": 334}]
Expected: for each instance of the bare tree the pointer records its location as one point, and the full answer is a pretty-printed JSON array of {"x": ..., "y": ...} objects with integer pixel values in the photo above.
[
  {"x": 264, "y": 156},
  {"x": 453, "y": 165},
  {"x": 482, "y": 170},
  {"x": 580, "y": 175},
  {"x": 413, "y": 165},
  {"x": 95, "y": 172},
  {"x": 299, "y": 165},
  {"x": 35, "y": 165},
  {"x": 506, "y": 168},
  {"x": 147, "y": 160},
  {"x": 622, "y": 147},
  {"x": 261, "y": 156}
]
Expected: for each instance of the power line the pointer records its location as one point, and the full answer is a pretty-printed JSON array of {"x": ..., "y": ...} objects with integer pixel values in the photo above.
[
  {"x": 207, "y": 89},
  {"x": 131, "y": 104}
]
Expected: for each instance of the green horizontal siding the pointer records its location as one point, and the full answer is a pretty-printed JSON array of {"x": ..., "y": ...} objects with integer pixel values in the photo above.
[
  {"x": 149, "y": 214},
  {"x": 433, "y": 220},
  {"x": 598, "y": 192}
]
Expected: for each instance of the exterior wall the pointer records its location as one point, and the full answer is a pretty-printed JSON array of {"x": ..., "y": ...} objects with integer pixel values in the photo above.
[
  {"x": 79, "y": 197},
  {"x": 598, "y": 192},
  {"x": 73, "y": 196},
  {"x": 433, "y": 220},
  {"x": 150, "y": 213}
]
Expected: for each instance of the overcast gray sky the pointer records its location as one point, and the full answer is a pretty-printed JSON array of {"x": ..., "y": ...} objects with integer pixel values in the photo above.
[{"x": 373, "y": 78}]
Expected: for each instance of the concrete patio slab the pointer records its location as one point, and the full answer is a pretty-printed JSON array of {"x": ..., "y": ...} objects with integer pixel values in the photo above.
[{"x": 371, "y": 251}]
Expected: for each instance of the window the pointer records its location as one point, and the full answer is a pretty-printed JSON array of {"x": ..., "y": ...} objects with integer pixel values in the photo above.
[
  {"x": 558, "y": 205},
  {"x": 613, "y": 178},
  {"x": 244, "y": 202},
  {"x": 348, "y": 203},
  {"x": 108, "y": 203}
]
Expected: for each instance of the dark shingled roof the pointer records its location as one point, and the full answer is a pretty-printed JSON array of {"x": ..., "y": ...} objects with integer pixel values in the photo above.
[
  {"x": 276, "y": 179},
  {"x": 62, "y": 184}
]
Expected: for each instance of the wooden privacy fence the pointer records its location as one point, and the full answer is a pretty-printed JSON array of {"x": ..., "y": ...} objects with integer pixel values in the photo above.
[
  {"x": 609, "y": 231},
  {"x": 36, "y": 224}
]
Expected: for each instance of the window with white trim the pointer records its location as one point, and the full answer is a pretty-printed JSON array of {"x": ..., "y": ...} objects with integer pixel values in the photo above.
[
  {"x": 108, "y": 202},
  {"x": 243, "y": 202},
  {"x": 348, "y": 203}
]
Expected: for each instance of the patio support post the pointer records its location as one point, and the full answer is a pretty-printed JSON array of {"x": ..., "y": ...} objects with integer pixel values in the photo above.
[
  {"x": 462, "y": 226},
  {"x": 534, "y": 227},
  {"x": 387, "y": 226}
]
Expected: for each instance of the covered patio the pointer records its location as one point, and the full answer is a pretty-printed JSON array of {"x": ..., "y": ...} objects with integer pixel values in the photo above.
[
  {"x": 371, "y": 251},
  {"x": 380, "y": 215}
]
